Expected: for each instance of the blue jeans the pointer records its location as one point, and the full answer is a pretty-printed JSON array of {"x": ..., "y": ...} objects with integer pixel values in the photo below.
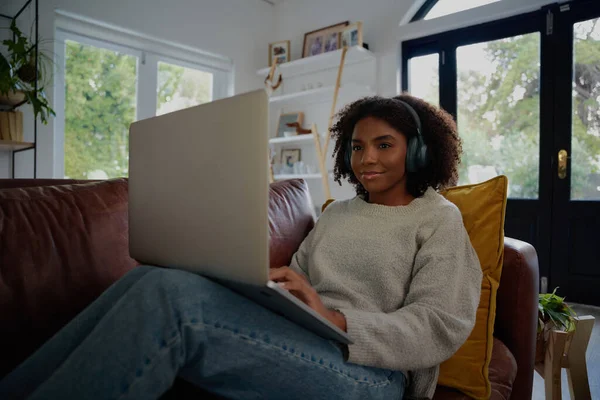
[{"x": 156, "y": 324}]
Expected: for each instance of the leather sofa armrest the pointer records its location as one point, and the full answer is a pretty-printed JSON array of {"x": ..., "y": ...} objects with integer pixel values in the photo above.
[{"x": 516, "y": 311}]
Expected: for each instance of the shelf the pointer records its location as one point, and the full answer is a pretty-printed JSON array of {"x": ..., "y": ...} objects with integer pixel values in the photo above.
[
  {"x": 323, "y": 94},
  {"x": 322, "y": 61},
  {"x": 292, "y": 139},
  {"x": 9, "y": 145},
  {"x": 282, "y": 177}
]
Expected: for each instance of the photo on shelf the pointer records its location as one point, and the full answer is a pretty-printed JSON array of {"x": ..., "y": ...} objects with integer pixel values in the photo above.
[
  {"x": 289, "y": 118},
  {"x": 322, "y": 40},
  {"x": 289, "y": 157},
  {"x": 332, "y": 42},
  {"x": 279, "y": 52},
  {"x": 352, "y": 35}
]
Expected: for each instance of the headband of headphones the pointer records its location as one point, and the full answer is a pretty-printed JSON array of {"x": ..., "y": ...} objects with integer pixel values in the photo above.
[{"x": 412, "y": 113}]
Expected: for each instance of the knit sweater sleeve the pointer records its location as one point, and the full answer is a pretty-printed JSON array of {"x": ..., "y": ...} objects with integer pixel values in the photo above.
[
  {"x": 299, "y": 261},
  {"x": 439, "y": 310}
]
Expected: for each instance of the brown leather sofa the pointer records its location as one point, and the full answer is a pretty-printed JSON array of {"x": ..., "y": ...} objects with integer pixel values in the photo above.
[{"x": 62, "y": 243}]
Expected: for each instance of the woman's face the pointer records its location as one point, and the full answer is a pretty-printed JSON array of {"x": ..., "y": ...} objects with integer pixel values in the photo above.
[{"x": 379, "y": 160}]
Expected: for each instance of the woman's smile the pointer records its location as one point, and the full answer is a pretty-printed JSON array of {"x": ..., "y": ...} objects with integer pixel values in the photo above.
[{"x": 370, "y": 175}]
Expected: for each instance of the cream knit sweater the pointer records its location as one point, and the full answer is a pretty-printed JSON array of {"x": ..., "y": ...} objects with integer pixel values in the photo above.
[{"x": 406, "y": 278}]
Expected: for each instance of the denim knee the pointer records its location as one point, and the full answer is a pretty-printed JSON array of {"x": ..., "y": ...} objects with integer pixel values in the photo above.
[{"x": 167, "y": 280}]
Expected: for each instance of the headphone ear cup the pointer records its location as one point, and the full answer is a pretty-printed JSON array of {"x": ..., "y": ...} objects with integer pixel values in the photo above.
[
  {"x": 411, "y": 154},
  {"x": 423, "y": 156},
  {"x": 417, "y": 156}
]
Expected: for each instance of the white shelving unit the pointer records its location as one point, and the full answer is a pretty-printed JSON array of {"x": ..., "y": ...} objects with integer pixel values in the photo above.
[
  {"x": 322, "y": 61},
  {"x": 313, "y": 95},
  {"x": 308, "y": 86}
]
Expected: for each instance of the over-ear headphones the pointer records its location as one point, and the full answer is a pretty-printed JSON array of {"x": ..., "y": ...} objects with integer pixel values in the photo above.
[{"x": 417, "y": 156}]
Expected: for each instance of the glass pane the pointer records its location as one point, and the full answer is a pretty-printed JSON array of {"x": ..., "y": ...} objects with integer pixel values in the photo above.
[
  {"x": 499, "y": 112},
  {"x": 585, "y": 139},
  {"x": 424, "y": 78},
  {"x": 180, "y": 87},
  {"x": 445, "y": 7},
  {"x": 100, "y": 104}
]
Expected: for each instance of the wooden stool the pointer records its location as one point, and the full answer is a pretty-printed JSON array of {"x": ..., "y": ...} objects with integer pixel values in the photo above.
[{"x": 567, "y": 350}]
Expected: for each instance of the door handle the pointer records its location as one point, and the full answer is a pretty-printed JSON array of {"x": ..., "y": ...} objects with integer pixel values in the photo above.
[{"x": 562, "y": 164}]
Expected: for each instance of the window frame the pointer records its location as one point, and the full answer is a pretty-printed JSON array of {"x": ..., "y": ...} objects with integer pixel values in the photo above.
[
  {"x": 148, "y": 51},
  {"x": 446, "y": 44},
  {"x": 427, "y": 7},
  {"x": 423, "y": 10}
]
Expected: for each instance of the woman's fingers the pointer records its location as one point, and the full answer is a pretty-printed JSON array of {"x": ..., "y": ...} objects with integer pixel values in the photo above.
[
  {"x": 293, "y": 285},
  {"x": 284, "y": 274},
  {"x": 277, "y": 274}
]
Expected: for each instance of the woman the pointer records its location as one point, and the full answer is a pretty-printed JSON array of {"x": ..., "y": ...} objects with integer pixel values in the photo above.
[{"x": 393, "y": 267}]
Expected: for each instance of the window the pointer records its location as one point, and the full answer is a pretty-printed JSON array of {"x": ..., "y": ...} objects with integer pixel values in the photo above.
[
  {"x": 585, "y": 139},
  {"x": 424, "y": 78},
  {"x": 438, "y": 8},
  {"x": 498, "y": 109},
  {"x": 100, "y": 104},
  {"x": 107, "y": 86},
  {"x": 180, "y": 87}
]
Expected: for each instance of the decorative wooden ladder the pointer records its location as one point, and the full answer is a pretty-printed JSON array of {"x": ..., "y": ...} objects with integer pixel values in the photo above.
[{"x": 322, "y": 150}]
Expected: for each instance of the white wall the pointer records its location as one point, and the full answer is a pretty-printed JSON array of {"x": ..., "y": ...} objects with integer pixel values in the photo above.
[{"x": 237, "y": 29}]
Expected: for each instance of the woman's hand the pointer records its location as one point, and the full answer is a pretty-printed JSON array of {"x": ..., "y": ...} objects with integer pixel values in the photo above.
[{"x": 299, "y": 286}]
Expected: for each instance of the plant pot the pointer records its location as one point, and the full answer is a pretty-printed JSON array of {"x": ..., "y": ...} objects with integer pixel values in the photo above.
[
  {"x": 11, "y": 126},
  {"x": 27, "y": 72},
  {"x": 12, "y": 98}
]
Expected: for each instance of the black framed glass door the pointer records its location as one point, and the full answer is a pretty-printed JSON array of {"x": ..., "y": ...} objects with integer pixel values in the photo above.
[{"x": 575, "y": 253}]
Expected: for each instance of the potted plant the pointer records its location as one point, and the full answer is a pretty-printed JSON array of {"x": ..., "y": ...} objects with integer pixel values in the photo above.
[
  {"x": 18, "y": 75},
  {"x": 553, "y": 314}
]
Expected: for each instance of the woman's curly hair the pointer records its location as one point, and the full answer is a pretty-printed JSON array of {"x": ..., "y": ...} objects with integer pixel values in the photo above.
[{"x": 437, "y": 127}]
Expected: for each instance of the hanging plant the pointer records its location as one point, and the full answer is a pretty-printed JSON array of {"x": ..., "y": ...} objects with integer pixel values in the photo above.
[{"x": 18, "y": 74}]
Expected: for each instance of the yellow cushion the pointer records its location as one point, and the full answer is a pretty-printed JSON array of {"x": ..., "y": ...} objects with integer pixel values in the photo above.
[{"x": 483, "y": 208}]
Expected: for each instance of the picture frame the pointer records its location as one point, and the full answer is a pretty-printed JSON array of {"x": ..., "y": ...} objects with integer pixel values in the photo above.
[
  {"x": 352, "y": 35},
  {"x": 316, "y": 41},
  {"x": 290, "y": 156},
  {"x": 279, "y": 52},
  {"x": 289, "y": 118}
]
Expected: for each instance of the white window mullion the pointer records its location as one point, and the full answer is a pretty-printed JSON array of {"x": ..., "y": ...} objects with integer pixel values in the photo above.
[
  {"x": 59, "y": 105},
  {"x": 146, "y": 86},
  {"x": 222, "y": 85}
]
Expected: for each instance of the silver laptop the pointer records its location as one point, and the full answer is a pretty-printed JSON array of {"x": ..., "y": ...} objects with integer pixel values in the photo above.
[{"x": 198, "y": 200}]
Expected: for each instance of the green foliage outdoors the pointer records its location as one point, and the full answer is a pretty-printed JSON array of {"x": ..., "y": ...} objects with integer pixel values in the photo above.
[
  {"x": 503, "y": 109},
  {"x": 100, "y": 98},
  {"x": 100, "y": 104}
]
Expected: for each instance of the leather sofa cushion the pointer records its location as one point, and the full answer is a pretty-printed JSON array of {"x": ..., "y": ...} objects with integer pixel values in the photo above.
[
  {"x": 291, "y": 218},
  {"x": 60, "y": 248},
  {"x": 502, "y": 374}
]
